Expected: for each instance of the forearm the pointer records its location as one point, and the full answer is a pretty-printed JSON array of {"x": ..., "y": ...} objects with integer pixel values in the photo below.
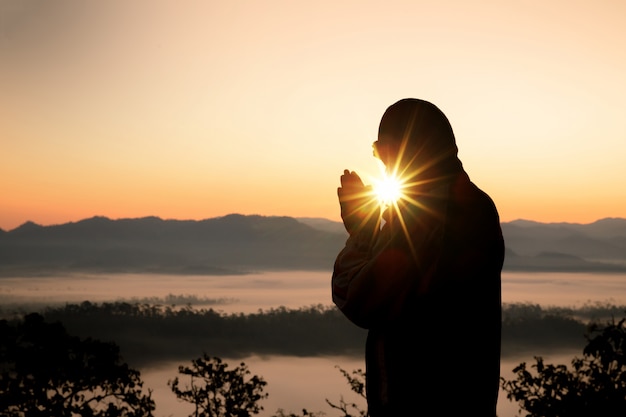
[
  {"x": 368, "y": 281},
  {"x": 350, "y": 271}
]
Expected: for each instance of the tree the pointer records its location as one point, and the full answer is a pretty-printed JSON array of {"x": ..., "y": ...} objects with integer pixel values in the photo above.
[
  {"x": 595, "y": 386},
  {"x": 217, "y": 391},
  {"x": 356, "y": 379},
  {"x": 46, "y": 372},
  {"x": 305, "y": 413}
]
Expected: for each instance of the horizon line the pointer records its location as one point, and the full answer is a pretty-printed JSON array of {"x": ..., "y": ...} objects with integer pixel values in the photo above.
[{"x": 97, "y": 216}]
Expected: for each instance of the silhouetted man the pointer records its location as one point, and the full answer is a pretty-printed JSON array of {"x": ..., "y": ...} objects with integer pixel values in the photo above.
[{"x": 427, "y": 284}]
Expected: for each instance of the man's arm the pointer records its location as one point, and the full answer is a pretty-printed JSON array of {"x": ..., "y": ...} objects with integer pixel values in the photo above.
[{"x": 370, "y": 281}]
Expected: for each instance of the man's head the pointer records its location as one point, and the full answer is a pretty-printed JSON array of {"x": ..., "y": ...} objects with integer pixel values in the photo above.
[{"x": 415, "y": 134}]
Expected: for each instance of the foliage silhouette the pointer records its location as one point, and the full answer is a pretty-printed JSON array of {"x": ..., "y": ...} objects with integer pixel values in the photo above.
[
  {"x": 46, "y": 372},
  {"x": 356, "y": 380},
  {"x": 217, "y": 391},
  {"x": 149, "y": 333},
  {"x": 305, "y": 413},
  {"x": 594, "y": 386}
]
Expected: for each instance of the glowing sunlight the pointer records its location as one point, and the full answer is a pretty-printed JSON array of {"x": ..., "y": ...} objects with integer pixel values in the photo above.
[{"x": 388, "y": 189}]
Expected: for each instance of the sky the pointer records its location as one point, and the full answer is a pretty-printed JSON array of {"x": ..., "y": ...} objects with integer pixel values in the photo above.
[{"x": 198, "y": 109}]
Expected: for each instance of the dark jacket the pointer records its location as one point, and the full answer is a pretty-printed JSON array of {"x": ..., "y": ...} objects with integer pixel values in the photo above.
[{"x": 427, "y": 287}]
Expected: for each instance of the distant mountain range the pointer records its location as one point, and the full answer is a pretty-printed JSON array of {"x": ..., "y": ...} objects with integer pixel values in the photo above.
[
  {"x": 597, "y": 246},
  {"x": 238, "y": 244}
]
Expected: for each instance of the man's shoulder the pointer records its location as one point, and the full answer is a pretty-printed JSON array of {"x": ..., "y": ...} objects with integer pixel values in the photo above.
[
  {"x": 467, "y": 191},
  {"x": 470, "y": 204}
]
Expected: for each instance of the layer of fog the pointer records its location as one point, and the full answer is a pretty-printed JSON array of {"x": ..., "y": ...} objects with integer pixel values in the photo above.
[{"x": 291, "y": 289}]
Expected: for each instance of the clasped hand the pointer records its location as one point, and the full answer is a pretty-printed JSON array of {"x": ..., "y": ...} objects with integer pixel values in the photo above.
[{"x": 360, "y": 210}]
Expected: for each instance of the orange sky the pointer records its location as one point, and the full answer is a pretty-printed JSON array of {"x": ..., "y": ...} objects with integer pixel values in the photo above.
[{"x": 203, "y": 108}]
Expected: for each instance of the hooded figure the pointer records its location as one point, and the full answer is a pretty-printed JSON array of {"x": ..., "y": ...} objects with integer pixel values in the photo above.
[{"x": 427, "y": 284}]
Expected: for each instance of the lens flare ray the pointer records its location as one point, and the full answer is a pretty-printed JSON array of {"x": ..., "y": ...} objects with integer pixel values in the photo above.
[{"x": 394, "y": 191}]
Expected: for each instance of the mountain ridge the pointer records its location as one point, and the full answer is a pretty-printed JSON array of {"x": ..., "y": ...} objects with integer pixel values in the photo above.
[
  {"x": 312, "y": 220},
  {"x": 237, "y": 243}
]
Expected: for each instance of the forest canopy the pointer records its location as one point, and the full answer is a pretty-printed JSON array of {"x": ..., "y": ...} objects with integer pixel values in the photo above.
[{"x": 154, "y": 332}]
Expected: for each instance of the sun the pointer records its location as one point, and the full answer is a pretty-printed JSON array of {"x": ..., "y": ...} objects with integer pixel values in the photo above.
[{"x": 388, "y": 189}]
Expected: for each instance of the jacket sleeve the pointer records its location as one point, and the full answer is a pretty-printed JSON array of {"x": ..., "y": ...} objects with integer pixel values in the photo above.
[{"x": 370, "y": 279}]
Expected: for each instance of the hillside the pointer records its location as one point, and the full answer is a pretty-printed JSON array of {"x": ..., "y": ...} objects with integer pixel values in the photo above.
[
  {"x": 236, "y": 243},
  {"x": 223, "y": 245},
  {"x": 597, "y": 246}
]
